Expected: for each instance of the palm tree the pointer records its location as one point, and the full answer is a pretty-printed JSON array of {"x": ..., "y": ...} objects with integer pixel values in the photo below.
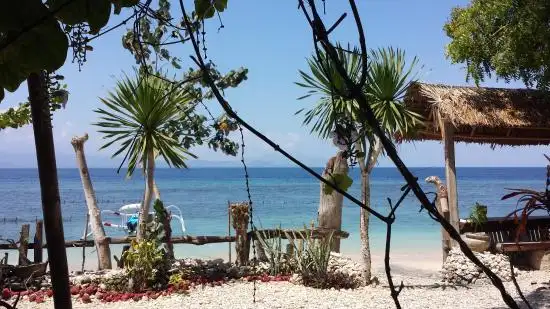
[
  {"x": 138, "y": 119},
  {"x": 334, "y": 114}
]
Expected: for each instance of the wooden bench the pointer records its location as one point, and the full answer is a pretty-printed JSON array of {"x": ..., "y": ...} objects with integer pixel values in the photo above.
[{"x": 503, "y": 238}]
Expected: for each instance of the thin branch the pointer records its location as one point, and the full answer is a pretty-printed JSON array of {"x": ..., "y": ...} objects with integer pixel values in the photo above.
[
  {"x": 391, "y": 219},
  {"x": 518, "y": 289},
  {"x": 225, "y": 105},
  {"x": 337, "y": 23},
  {"x": 362, "y": 43},
  {"x": 126, "y": 20},
  {"x": 318, "y": 27}
]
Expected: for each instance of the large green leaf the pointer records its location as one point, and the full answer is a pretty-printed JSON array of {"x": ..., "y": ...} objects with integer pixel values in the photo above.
[
  {"x": 95, "y": 12},
  {"x": 342, "y": 181},
  {"x": 204, "y": 9},
  {"x": 98, "y": 15},
  {"x": 43, "y": 47},
  {"x": 220, "y": 5},
  {"x": 73, "y": 13},
  {"x": 119, "y": 4}
]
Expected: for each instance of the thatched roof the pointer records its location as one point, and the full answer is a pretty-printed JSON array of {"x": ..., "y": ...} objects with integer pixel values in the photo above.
[{"x": 483, "y": 115}]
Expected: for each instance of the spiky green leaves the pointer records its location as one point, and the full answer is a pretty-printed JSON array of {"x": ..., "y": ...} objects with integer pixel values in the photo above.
[
  {"x": 137, "y": 117},
  {"x": 387, "y": 81}
]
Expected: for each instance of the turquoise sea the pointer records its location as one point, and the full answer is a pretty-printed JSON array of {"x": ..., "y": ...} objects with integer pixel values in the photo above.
[{"x": 281, "y": 196}]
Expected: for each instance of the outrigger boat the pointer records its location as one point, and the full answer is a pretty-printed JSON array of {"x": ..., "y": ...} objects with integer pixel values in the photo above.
[{"x": 129, "y": 216}]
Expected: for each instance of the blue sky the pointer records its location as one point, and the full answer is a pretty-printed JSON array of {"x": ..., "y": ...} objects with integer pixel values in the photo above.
[{"x": 271, "y": 39}]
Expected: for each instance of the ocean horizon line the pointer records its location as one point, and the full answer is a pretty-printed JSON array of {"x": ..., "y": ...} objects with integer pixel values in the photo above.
[{"x": 274, "y": 167}]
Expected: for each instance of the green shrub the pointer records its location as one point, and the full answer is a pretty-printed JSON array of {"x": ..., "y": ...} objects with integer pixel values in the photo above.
[
  {"x": 478, "y": 214},
  {"x": 311, "y": 260},
  {"x": 279, "y": 262},
  {"x": 146, "y": 262},
  {"x": 141, "y": 262}
]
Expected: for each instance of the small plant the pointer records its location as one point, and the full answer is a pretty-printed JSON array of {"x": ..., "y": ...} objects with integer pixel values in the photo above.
[
  {"x": 478, "y": 215},
  {"x": 531, "y": 201},
  {"x": 146, "y": 262},
  {"x": 141, "y": 262},
  {"x": 313, "y": 258},
  {"x": 279, "y": 263}
]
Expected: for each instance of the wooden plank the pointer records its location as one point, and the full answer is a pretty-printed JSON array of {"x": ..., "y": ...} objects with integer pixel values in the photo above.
[
  {"x": 24, "y": 244},
  {"x": 195, "y": 240},
  {"x": 523, "y": 246},
  {"x": 447, "y": 132},
  {"x": 495, "y": 224},
  {"x": 38, "y": 251}
]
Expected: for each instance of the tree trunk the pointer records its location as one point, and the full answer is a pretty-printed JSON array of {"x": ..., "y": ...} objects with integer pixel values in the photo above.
[
  {"x": 146, "y": 206},
  {"x": 49, "y": 189},
  {"x": 156, "y": 191},
  {"x": 101, "y": 243},
  {"x": 330, "y": 205},
  {"x": 366, "y": 168},
  {"x": 364, "y": 227}
]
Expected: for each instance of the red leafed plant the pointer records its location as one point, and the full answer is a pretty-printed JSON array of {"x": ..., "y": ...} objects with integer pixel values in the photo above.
[{"x": 529, "y": 201}]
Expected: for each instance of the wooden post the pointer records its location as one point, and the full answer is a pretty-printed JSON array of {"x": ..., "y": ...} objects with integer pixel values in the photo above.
[
  {"x": 38, "y": 242},
  {"x": 49, "y": 189},
  {"x": 290, "y": 250},
  {"x": 443, "y": 209},
  {"x": 24, "y": 244},
  {"x": 240, "y": 215},
  {"x": 85, "y": 238},
  {"x": 447, "y": 131},
  {"x": 229, "y": 228}
]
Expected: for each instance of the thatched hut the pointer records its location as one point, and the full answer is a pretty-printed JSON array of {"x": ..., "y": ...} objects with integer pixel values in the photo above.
[{"x": 494, "y": 116}]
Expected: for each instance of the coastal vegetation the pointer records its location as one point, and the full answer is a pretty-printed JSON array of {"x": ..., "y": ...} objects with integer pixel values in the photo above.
[
  {"x": 505, "y": 38},
  {"x": 158, "y": 115},
  {"x": 338, "y": 116}
]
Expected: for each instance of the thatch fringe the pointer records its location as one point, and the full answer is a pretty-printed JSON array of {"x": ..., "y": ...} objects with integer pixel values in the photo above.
[{"x": 483, "y": 115}]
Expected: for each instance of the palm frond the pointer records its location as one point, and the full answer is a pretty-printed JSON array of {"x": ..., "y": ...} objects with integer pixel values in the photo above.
[{"x": 135, "y": 118}]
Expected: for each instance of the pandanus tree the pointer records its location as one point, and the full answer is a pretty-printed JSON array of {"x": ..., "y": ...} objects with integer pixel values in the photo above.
[
  {"x": 337, "y": 116},
  {"x": 137, "y": 119}
]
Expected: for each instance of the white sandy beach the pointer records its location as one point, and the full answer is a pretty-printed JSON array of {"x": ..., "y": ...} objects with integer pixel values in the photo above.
[{"x": 422, "y": 290}]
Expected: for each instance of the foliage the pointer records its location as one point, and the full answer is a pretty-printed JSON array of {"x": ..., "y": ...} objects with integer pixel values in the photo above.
[
  {"x": 159, "y": 30},
  {"x": 137, "y": 119},
  {"x": 147, "y": 263},
  {"x": 506, "y": 37},
  {"x": 279, "y": 263},
  {"x": 478, "y": 214},
  {"x": 342, "y": 181},
  {"x": 141, "y": 262},
  {"x": 27, "y": 26},
  {"x": 156, "y": 226},
  {"x": 312, "y": 259},
  {"x": 388, "y": 79},
  {"x": 531, "y": 201},
  {"x": 16, "y": 117},
  {"x": 177, "y": 280}
]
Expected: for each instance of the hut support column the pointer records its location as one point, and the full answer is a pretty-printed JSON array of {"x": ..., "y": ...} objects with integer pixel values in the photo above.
[{"x": 447, "y": 132}]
